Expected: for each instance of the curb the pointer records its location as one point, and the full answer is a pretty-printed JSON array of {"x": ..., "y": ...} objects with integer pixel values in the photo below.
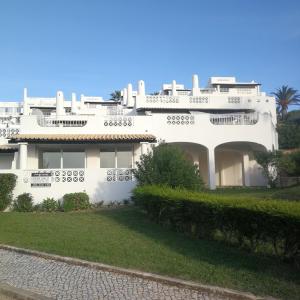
[
  {"x": 19, "y": 294},
  {"x": 211, "y": 290}
]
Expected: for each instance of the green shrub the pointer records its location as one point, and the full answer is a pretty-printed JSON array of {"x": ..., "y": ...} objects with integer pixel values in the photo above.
[
  {"x": 75, "y": 201},
  {"x": 249, "y": 222},
  {"x": 7, "y": 185},
  {"x": 49, "y": 204},
  {"x": 168, "y": 165},
  {"x": 23, "y": 203}
]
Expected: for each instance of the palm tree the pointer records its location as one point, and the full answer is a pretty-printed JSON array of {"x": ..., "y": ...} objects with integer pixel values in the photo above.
[
  {"x": 286, "y": 96},
  {"x": 116, "y": 95}
]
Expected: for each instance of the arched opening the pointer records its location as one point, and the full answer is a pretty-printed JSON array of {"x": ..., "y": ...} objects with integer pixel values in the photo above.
[
  {"x": 236, "y": 165},
  {"x": 197, "y": 154}
]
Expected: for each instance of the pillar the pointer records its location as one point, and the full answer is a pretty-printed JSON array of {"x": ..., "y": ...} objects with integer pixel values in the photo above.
[
  {"x": 141, "y": 88},
  {"x": 211, "y": 168},
  {"x": 174, "y": 91},
  {"x": 124, "y": 100},
  {"x": 25, "y": 103},
  {"x": 23, "y": 156},
  {"x": 129, "y": 96},
  {"x": 60, "y": 109},
  {"x": 246, "y": 172},
  {"x": 195, "y": 88},
  {"x": 73, "y": 104},
  {"x": 144, "y": 147}
]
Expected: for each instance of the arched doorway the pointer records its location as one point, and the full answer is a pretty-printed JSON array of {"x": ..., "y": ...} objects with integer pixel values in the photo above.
[
  {"x": 197, "y": 154},
  {"x": 236, "y": 165}
]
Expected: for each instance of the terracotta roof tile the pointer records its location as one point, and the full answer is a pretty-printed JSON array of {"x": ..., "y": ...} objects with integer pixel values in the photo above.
[{"x": 83, "y": 138}]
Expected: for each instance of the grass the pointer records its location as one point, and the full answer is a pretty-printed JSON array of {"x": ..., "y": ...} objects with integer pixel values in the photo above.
[{"x": 125, "y": 237}]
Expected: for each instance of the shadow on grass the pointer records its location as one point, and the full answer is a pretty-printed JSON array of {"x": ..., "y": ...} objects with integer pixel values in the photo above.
[{"x": 213, "y": 252}]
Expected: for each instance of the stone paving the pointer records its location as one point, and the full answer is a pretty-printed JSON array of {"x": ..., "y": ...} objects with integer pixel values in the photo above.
[{"x": 59, "y": 280}]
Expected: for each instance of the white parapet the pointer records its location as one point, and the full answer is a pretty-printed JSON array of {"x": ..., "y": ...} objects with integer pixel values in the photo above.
[{"x": 60, "y": 110}]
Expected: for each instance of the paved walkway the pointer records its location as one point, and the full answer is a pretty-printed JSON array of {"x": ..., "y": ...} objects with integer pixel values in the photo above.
[{"x": 59, "y": 280}]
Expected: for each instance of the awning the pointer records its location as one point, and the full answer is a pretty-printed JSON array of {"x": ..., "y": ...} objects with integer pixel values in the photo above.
[{"x": 82, "y": 138}]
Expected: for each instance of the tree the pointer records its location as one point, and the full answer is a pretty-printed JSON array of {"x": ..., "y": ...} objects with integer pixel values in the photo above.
[
  {"x": 116, "y": 95},
  {"x": 167, "y": 165},
  {"x": 286, "y": 96}
]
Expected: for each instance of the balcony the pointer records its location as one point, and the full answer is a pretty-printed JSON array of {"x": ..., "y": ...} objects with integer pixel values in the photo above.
[
  {"x": 60, "y": 122},
  {"x": 234, "y": 119}
]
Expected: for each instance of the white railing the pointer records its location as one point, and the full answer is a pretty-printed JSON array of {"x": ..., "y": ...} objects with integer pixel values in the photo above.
[
  {"x": 234, "y": 119},
  {"x": 114, "y": 111},
  {"x": 58, "y": 122}
]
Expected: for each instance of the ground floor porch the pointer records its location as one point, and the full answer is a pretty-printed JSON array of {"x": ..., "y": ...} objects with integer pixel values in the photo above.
[{"x": 104, "y": 170}]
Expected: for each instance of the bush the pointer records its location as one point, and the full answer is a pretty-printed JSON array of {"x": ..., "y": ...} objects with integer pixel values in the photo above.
[
  {"x": 7, "y": 185},
  {"x": 252, "y": 223},
  {"x": 49, "y": 204},
  {"x": 168, "y": 165},
  {"x": 23, "y": 203},
  {"x": 270, "y": 163},
  {"x": 75, "y": 201}
]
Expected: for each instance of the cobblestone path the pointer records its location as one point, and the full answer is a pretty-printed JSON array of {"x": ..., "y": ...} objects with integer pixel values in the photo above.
[{"x": 60, "y": 280}]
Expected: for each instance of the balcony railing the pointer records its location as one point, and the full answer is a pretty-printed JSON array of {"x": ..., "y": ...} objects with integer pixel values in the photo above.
[
  {"x": 234, "y": 119},
  {"x": 58, "y": 122}
]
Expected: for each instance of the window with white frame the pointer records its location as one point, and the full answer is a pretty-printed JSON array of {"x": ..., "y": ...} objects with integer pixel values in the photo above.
[
  {"x": 56, "y": 159},
  {"x": 107, "y": 157},
  {"x": 116, "y": 156},
  {"x": 73, "y": 159}
]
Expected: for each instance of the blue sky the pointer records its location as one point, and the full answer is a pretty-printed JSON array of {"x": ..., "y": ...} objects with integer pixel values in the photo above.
[{"x": 95, "y": 47}]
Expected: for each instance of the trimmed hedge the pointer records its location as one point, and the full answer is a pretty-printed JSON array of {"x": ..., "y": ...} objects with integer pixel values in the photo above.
[
  {"x": 49, "y": 205},
  {"x": 75, "y": 201},
  {"x": 7, "y": 185},
  {"x": 250, "y": 222}
]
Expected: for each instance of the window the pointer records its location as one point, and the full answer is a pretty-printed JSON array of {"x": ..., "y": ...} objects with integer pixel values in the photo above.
[
  {"x": 50, "y": 160},
  {"x": 73, "y": 159},
  {"x": 107, "y": 157},
  {"x": 124, "y": 157}
]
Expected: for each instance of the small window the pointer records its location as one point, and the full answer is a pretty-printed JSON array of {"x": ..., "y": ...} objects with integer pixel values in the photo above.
[
  {"x": 107, "y": 157},
  {"x": 50, "y": 160},
  {"x": 124, "y": 157},
  {"x": 73, "y": 159}
]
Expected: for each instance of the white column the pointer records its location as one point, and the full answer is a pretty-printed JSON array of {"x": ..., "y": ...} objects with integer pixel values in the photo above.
[
  {"x": 14, "y": 161},
  {"x": 211, "y": 168},
  {"x": 174, "y": 91},
  {"x": 141, "y": 88},
  {"x": 23, "y": 156},
  {"x": 73, "y": 104},
  {"x": 124, "y": 101},
  {"x": 144, "y": 148},
  {"x": 246, "y": 169},
  {"x": 25, "y": 103},
  {"x": 195, "y": 89},
  {"x": 60, "y": 109},
  {"x": 129, "y": 96},
  {"x": 82, "y": 105}
]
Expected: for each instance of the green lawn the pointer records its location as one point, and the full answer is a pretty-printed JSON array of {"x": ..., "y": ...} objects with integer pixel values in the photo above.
[{"x": 125, "y": 237}]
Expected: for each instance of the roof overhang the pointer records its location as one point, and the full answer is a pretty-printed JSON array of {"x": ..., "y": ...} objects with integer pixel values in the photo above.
[
  {"x": 82, "y": 138},
  {"x": 9, "y": 148}
]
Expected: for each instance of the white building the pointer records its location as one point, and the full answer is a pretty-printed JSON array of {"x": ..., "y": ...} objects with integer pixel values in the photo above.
[{"x": 56, "y": 146}]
